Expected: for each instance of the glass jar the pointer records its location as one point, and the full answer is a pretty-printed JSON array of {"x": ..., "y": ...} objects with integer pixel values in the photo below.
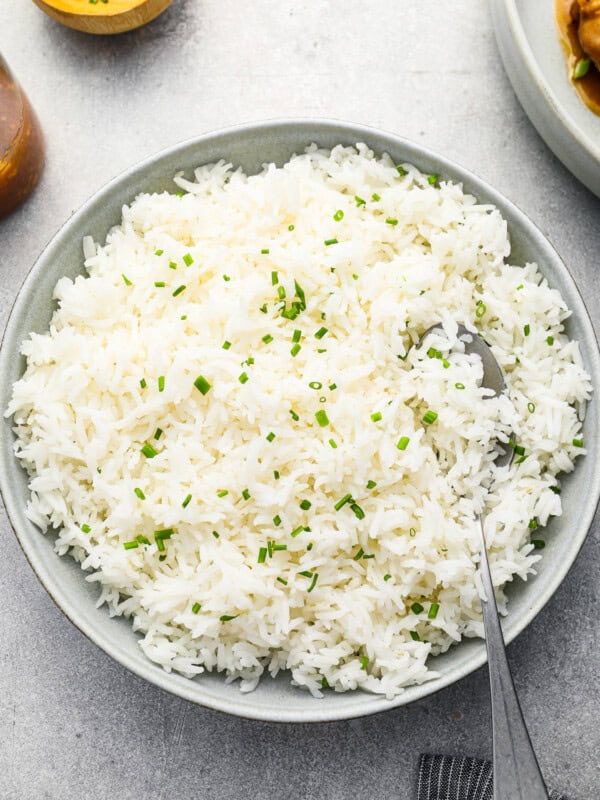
[{"x": 21, "y": 143}]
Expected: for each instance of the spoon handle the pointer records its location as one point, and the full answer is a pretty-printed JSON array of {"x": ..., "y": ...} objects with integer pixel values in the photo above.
[{"x": 517, "y": 774}]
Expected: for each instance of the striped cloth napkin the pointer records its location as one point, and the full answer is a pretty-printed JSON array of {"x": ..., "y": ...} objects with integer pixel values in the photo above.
[{"x": 450, "y": 778}]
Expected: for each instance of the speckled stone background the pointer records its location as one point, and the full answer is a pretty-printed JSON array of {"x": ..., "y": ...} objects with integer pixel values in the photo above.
[{"x": 74, "y": 725}]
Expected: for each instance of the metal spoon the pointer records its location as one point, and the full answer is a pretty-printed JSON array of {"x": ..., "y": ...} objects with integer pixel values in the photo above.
[{"x": 517, "y": 774}]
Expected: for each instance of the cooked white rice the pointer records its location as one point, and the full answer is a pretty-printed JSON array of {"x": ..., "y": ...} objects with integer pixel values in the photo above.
[{"x": 352, "y": 600}]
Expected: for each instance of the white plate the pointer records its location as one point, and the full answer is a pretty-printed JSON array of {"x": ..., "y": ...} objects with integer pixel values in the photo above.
[{"x": 527, "y": 37}]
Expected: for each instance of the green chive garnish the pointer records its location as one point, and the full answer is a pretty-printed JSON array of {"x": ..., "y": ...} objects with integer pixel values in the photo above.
[
  {"x": 282, "y": 580},
  {"x": 359, "y": 513},
  {"x": 320, "y": 333},
  {"x": 330, "y": 241},
  {"x": 313, "y": 583},
  {"x": 376, "y": 416},
  {"x": 172, "y": 265},
  {"x": 481, "y": 309},
  {"x": 291, "y": 227},
  {"x": 533, "y": 523},
  {"x": 228, "y": 617},
  {"x": 305, "y": 505},
  {"x": 538, "y": 544},
  {"x": 581, "y": 68},
  {"x": 143, "y": 383},
  {"x": 262, "y": 555},
  {"x": 243, "y": 378},
  {"x": 222, "y": 492},
  {"x": 246, "y": 494},
  {"x": 429, "y": 417},
  {"x": 577, "y": 442},
  {"x": 276, "y": 520},
  {"x": 433, "y": 179},
  {"x": 188, "y": 260},
  {"x": 293, "y": 415},
  {"x": 526, "y": 330},
  {"x": 342, "y": 502},
  {"x": 415, "y": 636},
  {"x": 531, "y": 407},
  {"x": 270, "y": 436},
  {"x": 391, "y": 221},
  {"x": 86, "y": 528},
  {"x": 332, "y": 442},
  {"x": 160, "y": 284},
  {"x": 161, "y": 383},
  {"x": 226, "y": 278},
  {"x": 276, "y": 474},
  {"x": 295, "y": 350},
  {"x": 226, "y": 345},
  {"x": 196, "y": 608},
  {"x": 202, "y": 384},
  {"x": 149, "y": 451},
  {"x": 322, "y": 418},
  {"x": 215, "y": 534},
  {"x": 459, "y": 385},
  {"x": 339, "y": 215},
  {"x": 265, "y": 251},
  {"x": 371, "y": 484},
  {"x": 296, "y": 532},
  {"x": 403, "y": 442},
  {"x": 315, "y": 385},
  {"x": 387, "y": 577},
  {"x": 139, "y": 493},
  {"x": 297, "y": 335},
  {"x": 179, "y": 290},
  {"x": 433, "y": 611},
  {"x": 359, "y": 554},
  {"x": 550, "y": 340},
  {"x": 268, "y": 338},
  {"x": 359, "y": 201},
  {"x": 130, "y": 545},
  {"x": 126, "y": 280},
  {"x": 187, "y": 500},
  {"x": 375, "y": 197}
]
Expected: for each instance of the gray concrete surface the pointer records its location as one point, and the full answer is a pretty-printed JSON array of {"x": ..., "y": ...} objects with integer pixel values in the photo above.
[{"x": 73, "y": 724}]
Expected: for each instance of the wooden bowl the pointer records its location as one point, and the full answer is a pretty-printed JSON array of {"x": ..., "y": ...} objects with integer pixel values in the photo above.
[{"x": 103, "y": 16}]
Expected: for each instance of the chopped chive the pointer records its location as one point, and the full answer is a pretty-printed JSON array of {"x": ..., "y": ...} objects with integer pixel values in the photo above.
[
  {"x": 274, "y": 278},
  {"x": 228, "y": 617},
  {"x": 293, "y": 415},
  {"x": 281, "y": 292},
  {"x": 216, "y": 534},
  {"x": 142, "y": 539},
  {"x": 130, "y": 545},
  {"x": 295, "y": 350},
  {"x": 172, "y": 265},
  {"x": 324, "y": 683},
  {"x": 268, "y": 338},
  {"x": 226, "y": 278},
  {"x": 376, "y": 416},
  {"x": 143, "y": 383},
  {"x": 262, "y": 555},
  {"x": 183, "y": 316},
  {"x": 531, "y": 407},
  {"x": 265, "y": 251},
  {"x": 375, "y": 197},
  {"x": 305, "y": 505},
  {"x": 520, "y": 286},
  {"x": 403, "y": 442},
  {"x": 315, "y": 385},
  {"x": 332, "y": 442},
  {"x": 550, "y": 340},
  {"x": 139, "y": 493},
  {"x": 555, "y": 489},
  {"x": 519, "y": 449},
  {"x": 243, "y": 378},
  {"x": 480, "y": 310},
  {"x": 533, "y": 523},
  {"x": 161, "y": 383},
  {"x": 164, "y": 533},
  {"x": 158, "y": 252},
  {"x": 276, "y": 474},
  {"x": 359, "y": 554},
  {"x": 401, "y": 171},
  {"x": 415, "y": 636},
  {"x": 270, "y": 436},
  {"x": 526, "y": 330},
  {"x": 577, "y": 442},
  {"x": 300, "y": 295},
  {"x": 179, "y": 290},
  {"x": 332, "y": 387},
  {"x": 339, "y": 215},
  {"x": 330, "y": 241},
  {"x": 387, "y": 577},
  {"x": 291, "y": 227},
  {"x": 445, "y": 363},
  {"x": 196, "y": 608},
  {"x": 263, "y": 308},
  {"x": 581, "y": 68},
  {"x": 313, "y": 583},
  {"x": 322, "y": 418},
  {"x": 246, "y": 494},
  {"x": 538, "y": 544},
  {"x": 222, "y": 492},
  {"x": 202, "y": 384},
  {"x": 309, "y": 546},
  {"x": 188, "y": 260},
  {"x": 359, "y": 201},
  {"x": 412, "y": 532},
  {"x": 187, "y": 500},
  {"x": 459, "y": 385},
  {"x": 322, "y": 399},
  {"x": 306, "y": 573},
  {"x": 297, "y": 335},
  {"x": 297, "y": 531},
  {"x": 429, "y": 417},
  {"x": 86, "y": 528},
  {"x": 163, "y": 557},
  {"x": 433, "y": 611},
  {"x": 126, "y": 280},
  {"x": 364, "y": 662},
  {"x": 320, "y": 333},
  {"x": 226, "y": 345},
  {"x": 391, "y": 221},
  {"x": 277, "y": 547},
  {"x": 433, "y": 179},
  {"x": 371, "y": 484},
  {"x": 347, "y": 498},
  {"x": 276, "y": 520},
  {"x": 158, "y": 433},
  {"x": 282, "y": 580},
  {"x": 160, "y": 284},
  {"x": 148, "y": 451},
  {"x": 358, "y": 512}
]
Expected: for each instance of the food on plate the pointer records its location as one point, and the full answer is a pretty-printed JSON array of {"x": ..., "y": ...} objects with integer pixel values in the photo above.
[
  {"x": 579, "y": 27},
  {"x": 230, "y": 426}
]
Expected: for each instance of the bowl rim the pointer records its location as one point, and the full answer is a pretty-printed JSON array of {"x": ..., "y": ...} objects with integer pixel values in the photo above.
[{"x": 314, "y": 129}]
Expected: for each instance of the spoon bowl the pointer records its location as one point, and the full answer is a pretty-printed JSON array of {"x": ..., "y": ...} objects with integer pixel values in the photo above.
[{"x": 103, "y": 16}]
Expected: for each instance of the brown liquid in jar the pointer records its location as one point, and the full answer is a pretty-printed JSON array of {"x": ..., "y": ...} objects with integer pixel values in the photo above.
[
  {"x": 21, "y": 144},
  {"x": 588, "y": 87}
]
